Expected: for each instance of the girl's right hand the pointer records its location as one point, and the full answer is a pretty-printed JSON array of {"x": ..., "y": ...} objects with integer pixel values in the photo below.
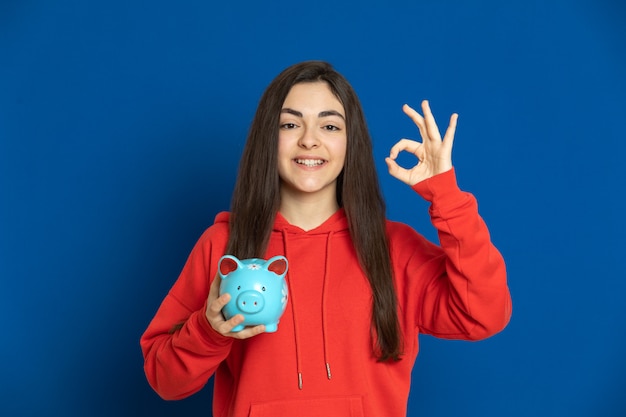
[{"x": 216, "y": 319}]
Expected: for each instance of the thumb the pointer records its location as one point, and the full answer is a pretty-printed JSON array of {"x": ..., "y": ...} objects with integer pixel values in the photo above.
[
  {"x": 396, "y": 170},
  {"x": 392, "y": 165}
]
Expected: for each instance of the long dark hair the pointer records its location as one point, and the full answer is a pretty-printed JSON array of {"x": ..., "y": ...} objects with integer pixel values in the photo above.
[{"x": 256, "y": 197}]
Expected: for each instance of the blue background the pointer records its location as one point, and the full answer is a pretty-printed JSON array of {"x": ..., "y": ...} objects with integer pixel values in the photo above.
[{"x": 121, "y": 127}]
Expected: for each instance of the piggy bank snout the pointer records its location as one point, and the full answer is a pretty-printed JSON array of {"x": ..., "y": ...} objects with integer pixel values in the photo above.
[{"x": 250, "y": 302}]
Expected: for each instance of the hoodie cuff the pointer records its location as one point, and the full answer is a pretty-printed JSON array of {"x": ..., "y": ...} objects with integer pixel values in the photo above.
[
  {"x": 208, "y": 333},
  {"x": 439, "y": 188}
]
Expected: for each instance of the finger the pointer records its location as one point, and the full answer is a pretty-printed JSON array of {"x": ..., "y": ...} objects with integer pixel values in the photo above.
[
  {"x": 228, "y": 325},
  {"x": 226, "y": 328},
  {"x": 431, "y": 124},
  {"x": 413, "y": 114},
  {"x": 396, "y": 170},
  {"x": 214, "y": 289},
  {"x": 404, "y": 145},
  {"x": 416, "y": 117},
  {"x": 249, "y": 332},
  {"x": 448, "y": 138},
  {"x": 218, "y": 304}
]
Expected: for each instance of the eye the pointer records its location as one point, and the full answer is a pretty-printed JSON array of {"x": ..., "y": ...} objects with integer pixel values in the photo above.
[
  {"x": 262, "y": 288},
  {"x": 331, "y": 128},
  {"x": 238, "y": 287},
  {"x": 288, "y": 126}
]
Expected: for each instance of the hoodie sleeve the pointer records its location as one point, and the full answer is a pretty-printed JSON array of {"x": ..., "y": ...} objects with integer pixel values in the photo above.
[
  {"x": 180, "y": 348},
  {"x": 464, "y": 293}
]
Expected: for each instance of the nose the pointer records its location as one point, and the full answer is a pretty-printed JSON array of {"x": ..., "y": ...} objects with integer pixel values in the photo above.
[
  {"x": 250, "y": 302},
  {"x": 309, "y": 139}
]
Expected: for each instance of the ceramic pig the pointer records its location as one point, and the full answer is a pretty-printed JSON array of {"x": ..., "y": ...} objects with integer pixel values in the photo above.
[{"x": 257, "y": 289}]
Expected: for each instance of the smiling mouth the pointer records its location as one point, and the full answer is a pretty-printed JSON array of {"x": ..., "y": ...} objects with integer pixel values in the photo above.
[{"x": 310, "y": 162}]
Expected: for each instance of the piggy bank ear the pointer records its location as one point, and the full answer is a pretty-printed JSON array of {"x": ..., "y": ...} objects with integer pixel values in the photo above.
[
  {"x": 228, "y": 264},
  {"x": 277, "y": 265}
]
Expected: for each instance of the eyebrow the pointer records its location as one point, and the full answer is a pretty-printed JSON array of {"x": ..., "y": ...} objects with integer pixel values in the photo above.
[{"x": 325, "y": 113}]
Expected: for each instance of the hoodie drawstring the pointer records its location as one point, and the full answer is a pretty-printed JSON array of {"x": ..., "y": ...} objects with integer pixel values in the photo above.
[
  {"x": 324, "y": 287},
  {"x": 293, "y": 312},
  {"x": 293, "y": 316}
]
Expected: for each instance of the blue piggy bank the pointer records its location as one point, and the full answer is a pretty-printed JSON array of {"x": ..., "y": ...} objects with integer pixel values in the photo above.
[{"x": 257, "y": 288}]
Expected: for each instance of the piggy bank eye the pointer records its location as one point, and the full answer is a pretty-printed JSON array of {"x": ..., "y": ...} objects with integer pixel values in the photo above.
[
  {"x": 238, "y": 287},
  {"x": 262, "y": 288}
]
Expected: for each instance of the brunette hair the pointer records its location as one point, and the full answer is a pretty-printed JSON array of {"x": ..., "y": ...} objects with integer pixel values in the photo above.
[{"x": 256, "y": 197}]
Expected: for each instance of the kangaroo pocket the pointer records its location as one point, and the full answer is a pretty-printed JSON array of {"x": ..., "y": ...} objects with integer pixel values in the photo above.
[{"x": 351, "y": 406}]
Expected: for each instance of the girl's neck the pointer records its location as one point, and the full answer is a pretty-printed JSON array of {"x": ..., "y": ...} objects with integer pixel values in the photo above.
[{"x": 307, "y": 212}]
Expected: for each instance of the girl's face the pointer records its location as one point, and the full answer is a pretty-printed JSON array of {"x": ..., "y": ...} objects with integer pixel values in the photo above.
[{"x": 312, "y": 141}]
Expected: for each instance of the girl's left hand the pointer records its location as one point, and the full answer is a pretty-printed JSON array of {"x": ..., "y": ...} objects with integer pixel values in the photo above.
[{"x": 434, "y": 153}]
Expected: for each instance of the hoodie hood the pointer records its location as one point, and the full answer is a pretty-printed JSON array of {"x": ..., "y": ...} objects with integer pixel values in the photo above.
[{"x": 335, "y": 223}]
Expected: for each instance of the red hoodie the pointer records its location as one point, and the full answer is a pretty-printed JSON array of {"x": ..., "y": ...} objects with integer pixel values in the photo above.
[{"x": 320, "y": 361}]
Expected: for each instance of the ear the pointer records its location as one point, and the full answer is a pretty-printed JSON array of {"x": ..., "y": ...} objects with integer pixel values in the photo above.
[
  {"x": 277, "y": 265},
  {"x": 227, "y": 265}
]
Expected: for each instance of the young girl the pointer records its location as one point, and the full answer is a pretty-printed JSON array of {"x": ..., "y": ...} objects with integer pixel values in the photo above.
[{"x": 361, "y": 288}]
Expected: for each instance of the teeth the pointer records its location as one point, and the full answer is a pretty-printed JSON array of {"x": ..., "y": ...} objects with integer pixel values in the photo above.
[{"x": 310, "y": 162}]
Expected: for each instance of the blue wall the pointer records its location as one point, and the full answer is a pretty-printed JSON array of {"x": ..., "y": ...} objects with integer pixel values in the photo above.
[{"x": 121, "y": 126}]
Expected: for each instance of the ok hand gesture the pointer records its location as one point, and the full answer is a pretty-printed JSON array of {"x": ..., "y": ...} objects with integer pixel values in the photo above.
[{"x": 433, "y": 153}]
